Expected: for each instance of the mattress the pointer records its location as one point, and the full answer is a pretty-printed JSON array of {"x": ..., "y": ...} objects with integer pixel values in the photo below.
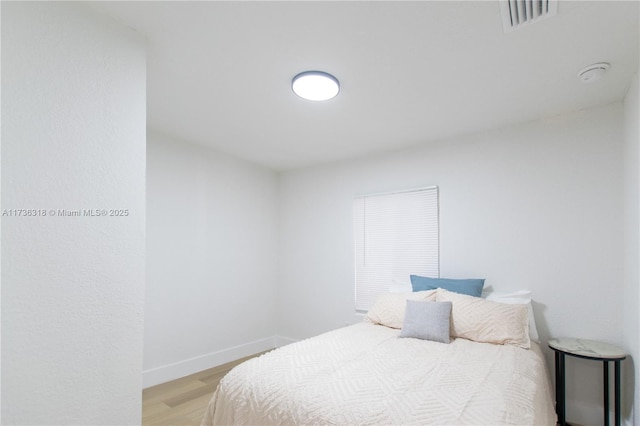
[{"x": 365, "y": 375}]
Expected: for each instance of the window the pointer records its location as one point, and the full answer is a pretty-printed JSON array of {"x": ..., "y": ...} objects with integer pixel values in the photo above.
[{"x": 396, "y": 235}]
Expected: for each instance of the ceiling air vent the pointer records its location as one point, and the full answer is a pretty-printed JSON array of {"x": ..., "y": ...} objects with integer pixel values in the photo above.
[{"x": 517, "y": 13}]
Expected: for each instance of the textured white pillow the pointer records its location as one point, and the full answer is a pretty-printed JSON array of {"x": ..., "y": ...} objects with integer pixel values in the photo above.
[
  {"x": 485, "y": 321},
  {"x": 522, "y": 297},
  {"x": 398, "y": 286},
  {"x": 389, "y": 308}
]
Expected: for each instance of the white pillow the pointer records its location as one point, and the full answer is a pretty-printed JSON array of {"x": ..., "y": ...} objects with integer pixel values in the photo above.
[
  {"x": 522, "y": 297},
  {"x": 398, "y": 286},
  {"x": 485, "y": 321},
  {"x": 389, "y": 308}
]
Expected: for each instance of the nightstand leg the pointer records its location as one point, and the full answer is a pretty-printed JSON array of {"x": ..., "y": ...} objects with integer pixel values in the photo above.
[
  {"x": 560, "y": 389},
  {"x": 605, "y": 365},
  {"x": 617, "y": 391}
]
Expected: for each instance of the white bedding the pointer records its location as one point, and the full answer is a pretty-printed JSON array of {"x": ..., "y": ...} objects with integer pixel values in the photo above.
[{"x": 365, "y": 375}]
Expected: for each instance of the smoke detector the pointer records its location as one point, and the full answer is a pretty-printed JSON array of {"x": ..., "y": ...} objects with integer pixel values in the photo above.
[
  {"x": 516, "y": 13},
  {"x": 593, "y": 72}
]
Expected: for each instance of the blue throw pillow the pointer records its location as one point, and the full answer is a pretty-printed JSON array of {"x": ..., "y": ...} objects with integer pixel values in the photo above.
[{"x": 471, "y": 287}]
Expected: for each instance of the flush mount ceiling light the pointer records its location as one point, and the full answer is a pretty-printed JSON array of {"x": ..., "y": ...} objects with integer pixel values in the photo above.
[
  {"x": 315, "y": 85},
  {"x": 593, "y": 72}
]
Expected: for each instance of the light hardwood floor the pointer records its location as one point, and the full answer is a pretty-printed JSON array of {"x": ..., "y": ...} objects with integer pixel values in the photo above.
[{"x": 182, "y": 402}]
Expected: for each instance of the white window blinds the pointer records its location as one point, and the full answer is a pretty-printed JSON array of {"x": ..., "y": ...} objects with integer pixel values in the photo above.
[{"x": 396, "y": 235}]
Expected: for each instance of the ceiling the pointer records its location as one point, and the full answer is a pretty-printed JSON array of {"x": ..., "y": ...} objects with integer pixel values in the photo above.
[{"x": 219, "y": 73}]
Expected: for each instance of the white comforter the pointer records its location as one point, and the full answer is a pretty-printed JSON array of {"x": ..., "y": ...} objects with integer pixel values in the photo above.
[{"x": 365, "y": 375}]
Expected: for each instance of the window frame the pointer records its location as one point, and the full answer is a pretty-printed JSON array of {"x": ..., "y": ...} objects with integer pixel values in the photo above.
[{"x": 371, "y": 281}]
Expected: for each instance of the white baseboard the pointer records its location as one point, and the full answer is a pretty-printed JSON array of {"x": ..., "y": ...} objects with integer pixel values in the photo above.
[
  {"x": 283, "y": 341},
  {"x": 166, "y": 373}
]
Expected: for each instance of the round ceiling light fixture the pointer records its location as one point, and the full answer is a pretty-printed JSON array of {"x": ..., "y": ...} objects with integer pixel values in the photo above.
[
  {"x": 315, "y": 85},
  {"x": 593, "y": 72}
]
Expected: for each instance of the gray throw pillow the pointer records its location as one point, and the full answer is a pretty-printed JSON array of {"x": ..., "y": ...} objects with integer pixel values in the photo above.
[{"x": 427, "y": 320}]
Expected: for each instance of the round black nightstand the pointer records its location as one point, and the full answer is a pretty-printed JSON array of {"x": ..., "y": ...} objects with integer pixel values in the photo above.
[{"x": 588, "y": 349}]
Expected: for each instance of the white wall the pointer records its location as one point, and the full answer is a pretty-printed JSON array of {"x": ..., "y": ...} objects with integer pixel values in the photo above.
[
  {"x": 73, "y": 137},
  {"x": 632, "y": 251},
  {"x": 0, "y": 227},
  {"x": 211, "y": 259},
  {"x": 535, "y": 206}
]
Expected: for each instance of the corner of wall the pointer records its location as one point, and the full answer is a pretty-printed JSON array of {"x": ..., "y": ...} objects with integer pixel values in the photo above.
[
  {"x": 0, "y": 221},
  {"x": 631, "y": 403},
  {"x": 73, "y": 284}
]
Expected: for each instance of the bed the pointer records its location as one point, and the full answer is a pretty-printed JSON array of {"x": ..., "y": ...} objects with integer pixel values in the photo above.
[{"x": 365, "y": 374}]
